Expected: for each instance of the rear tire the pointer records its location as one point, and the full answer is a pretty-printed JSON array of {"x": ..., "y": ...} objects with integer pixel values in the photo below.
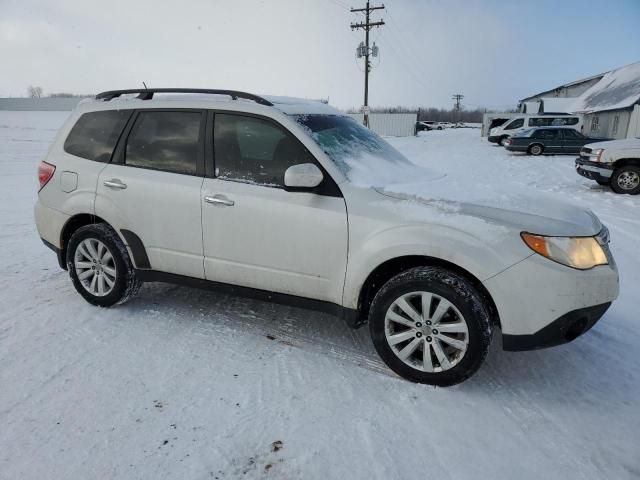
[
  {"x": 535, "y": 149},
  {"x": 100, "y": 267},
  {"x": 626, "y": 179},
  {"x": 448, "y": 320}
]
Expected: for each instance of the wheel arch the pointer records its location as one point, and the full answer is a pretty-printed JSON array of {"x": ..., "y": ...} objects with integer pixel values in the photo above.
[
  {"x": 624, "y": 162},
  {"x": 130, "y": 239},
  {"x": 394, "y": 266},
  {"x": 74, "y": 223},
  {"x": 533, "y": 145}
]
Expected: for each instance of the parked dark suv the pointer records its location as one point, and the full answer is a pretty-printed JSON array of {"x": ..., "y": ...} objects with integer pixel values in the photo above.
[{"x": 549, "y": 140}]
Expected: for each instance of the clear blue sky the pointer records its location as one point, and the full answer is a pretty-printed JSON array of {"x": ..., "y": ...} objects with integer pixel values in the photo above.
[{"x": 493, "y": 51}]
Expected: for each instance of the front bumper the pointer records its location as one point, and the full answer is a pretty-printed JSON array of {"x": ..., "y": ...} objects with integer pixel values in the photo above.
[
  {"x": 594, "y": 170},
  {"x": 494, "y": 139},
  {"x": 562, "y": 330},
  {"x": 542, "y": 303}
]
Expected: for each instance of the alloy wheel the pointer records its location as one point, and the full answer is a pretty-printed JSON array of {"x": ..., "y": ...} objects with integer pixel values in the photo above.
[
  {"x": 426, "y": 331},
  {"x": 628, "y": 180},
  {"x": 95, "y": 267}
]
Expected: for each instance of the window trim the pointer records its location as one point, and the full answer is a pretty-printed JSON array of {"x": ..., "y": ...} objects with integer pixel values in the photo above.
[
  {"x": 328, "y": 187},
  {"x": 118, "y": 156}
]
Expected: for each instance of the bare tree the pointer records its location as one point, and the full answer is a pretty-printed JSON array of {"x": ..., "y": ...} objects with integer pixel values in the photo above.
[{"x": 34, "y": 92}]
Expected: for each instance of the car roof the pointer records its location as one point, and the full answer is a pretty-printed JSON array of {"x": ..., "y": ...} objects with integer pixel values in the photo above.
[{"x": 174, "y": 98}]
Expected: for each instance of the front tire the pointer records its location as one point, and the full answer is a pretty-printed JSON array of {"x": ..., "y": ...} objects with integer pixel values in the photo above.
[
  {"x": 430, "y": 325},
  {"x": 626, "y": 179},
  {"x": 100, "y": 267},
  {"x": 503, "y": 141}
]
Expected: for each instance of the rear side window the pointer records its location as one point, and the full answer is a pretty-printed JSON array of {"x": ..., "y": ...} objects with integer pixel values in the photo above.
[
  {"x": 167, "y": 141},
  {"x": 254, "y": 150},
  {"x": 547, "y": 134},
  {"x": 95, "y": 134},
  {"x": 552, "y": 121}
]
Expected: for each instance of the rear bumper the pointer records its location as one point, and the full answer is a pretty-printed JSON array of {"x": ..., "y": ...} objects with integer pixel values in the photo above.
[
  {"x": 562, "y": 330},
  {"x": 50, "y": 223},
  {"x": 594, "y": 170}
]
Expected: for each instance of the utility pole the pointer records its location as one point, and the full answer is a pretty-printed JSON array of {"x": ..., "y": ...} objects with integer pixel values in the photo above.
[
  {"x": 457, "y": 97},
  {"x": 365, "y": 51}
]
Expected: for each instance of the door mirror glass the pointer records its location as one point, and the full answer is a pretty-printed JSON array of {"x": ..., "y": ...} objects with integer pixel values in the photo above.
[{"x": 303, "y": 175}]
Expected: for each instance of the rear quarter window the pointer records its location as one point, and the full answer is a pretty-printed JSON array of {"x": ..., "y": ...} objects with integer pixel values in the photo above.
[{"x": 95, "y": 134}]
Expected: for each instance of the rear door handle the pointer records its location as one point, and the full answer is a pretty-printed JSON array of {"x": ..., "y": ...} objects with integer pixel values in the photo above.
[
  {"x": 115, "y": 183},
  {"x": 219, "y": 200}
]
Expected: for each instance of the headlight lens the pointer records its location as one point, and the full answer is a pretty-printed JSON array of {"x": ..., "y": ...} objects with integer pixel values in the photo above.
[
  {"x": 577, "y": 252},
  {"x": 596, "y": 154}
]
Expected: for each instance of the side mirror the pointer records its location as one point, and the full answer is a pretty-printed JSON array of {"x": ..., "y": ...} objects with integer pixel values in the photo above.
[{"x": 302, "y": 176}]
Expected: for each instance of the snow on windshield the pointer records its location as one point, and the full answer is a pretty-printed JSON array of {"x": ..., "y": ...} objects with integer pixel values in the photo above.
[{"x": 364, "y": 157}]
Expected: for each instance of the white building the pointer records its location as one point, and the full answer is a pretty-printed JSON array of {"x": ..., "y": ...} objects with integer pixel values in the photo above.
[{"x": 609, "y": 102}]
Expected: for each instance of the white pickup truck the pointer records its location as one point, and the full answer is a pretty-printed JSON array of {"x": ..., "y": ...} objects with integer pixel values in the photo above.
[{"x": 615, "y": 163}]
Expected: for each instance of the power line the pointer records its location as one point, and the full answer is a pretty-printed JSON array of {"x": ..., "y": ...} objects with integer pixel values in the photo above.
[{"x": 364, "y": 50}]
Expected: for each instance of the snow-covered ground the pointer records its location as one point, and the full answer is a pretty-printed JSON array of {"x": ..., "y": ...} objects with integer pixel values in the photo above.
[{"x": 182, "y": 383}]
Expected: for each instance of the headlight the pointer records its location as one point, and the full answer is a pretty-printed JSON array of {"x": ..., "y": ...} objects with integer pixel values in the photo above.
[
  {"x": 596, "y": 154},
  {"x": 577, "y": 252}
]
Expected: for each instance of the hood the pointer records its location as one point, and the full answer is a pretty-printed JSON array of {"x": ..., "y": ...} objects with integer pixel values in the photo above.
[
  {"x": 627, "y": 143},
  {"x": 537, "y": 213}
]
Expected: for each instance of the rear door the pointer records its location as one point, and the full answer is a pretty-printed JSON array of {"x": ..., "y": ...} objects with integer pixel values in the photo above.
[
  {"x": 151, "y": 191},
  {"x": 257, "y": 234},
  {"x": 550, "y": 138}
]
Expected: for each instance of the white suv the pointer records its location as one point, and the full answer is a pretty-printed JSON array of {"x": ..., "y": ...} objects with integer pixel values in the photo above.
[{"x": 256, "y": 196}]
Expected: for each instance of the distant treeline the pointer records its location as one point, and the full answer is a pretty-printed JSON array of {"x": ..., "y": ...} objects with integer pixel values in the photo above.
[{"x": 434, "y": 114}]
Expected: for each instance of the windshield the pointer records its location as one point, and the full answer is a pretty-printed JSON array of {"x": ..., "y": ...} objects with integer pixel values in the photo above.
[{"x": 347, "y": 142}]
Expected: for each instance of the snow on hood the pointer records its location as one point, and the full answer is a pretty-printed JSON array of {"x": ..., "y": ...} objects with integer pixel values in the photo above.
[
  {"x": 624, "y": 144},
  {"x": 523, "y": 209}
]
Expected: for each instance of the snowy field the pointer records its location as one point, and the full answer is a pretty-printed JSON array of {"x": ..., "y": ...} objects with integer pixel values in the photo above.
[{"x": 182, "y": 383}]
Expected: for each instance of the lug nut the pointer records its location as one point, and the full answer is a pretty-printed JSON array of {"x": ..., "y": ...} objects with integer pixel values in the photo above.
[
  {"x": 418, "y": 325},
  {"x": 429, "y": 339},
  {"x": 418, "y": 335},
  {"x": 428, "y": 323},
  {"x": 435, "y": 332}
]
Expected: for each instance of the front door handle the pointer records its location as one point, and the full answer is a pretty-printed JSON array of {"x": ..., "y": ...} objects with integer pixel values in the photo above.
[
  {"x": 219, "y": 200},
  {"x": 115, "y": 183}
]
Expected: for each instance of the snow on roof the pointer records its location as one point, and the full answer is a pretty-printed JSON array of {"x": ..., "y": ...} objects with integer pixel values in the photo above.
[
  {"x": 618, "y": 88},
  {"x": 293, "y": 105},
  {"x": 565, "y": 85},
  {"x": 558, "y": 104}
]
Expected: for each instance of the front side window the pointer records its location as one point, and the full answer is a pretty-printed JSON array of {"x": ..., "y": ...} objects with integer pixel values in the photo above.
[
  {"x": 167, "y": 141},
  {"x": 515, "y": 124},
  {"x": 571, "y": 134},
  {"x": 95, "y": 134},
  {"x": 254, "y": 150}
]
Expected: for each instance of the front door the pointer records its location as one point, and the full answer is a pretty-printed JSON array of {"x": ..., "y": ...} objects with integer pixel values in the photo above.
[
  {"x": 153, "y": 189},
  {"x": 257, "y": 234},
  {"x": 573, "y": 141}
]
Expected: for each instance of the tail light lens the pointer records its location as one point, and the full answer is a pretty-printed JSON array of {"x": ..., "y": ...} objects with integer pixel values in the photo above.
[{"x": 45, "y": 172}]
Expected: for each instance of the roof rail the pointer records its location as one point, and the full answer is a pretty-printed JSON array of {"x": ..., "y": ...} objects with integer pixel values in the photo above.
[{"x": 147, "y": 94}]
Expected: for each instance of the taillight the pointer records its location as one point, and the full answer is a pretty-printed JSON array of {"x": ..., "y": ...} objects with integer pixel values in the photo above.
[{"x": 45, "y": 172}]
